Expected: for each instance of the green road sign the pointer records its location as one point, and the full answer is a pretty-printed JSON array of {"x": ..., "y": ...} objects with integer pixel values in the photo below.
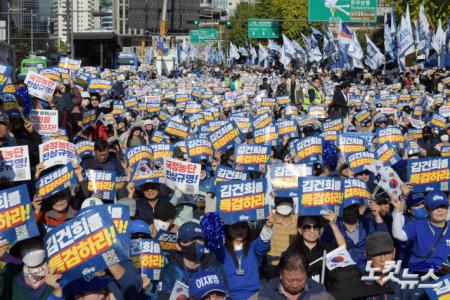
[
  {"x": 263, "y": 29},
  {"x": 345, "y": 10},
  {"x": 203, "y": 35}
]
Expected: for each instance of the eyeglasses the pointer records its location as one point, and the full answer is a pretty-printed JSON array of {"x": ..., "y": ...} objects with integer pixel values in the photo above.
[{"x": 307, "y": 227}]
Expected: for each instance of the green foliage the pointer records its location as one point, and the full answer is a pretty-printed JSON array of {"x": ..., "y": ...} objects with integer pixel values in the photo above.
[
  {"x": 434, "y": 10},
  {"x": 238, "y": 31},
  {"x": 293, "y": 10}
]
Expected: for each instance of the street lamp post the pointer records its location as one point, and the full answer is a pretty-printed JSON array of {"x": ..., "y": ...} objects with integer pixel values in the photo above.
[{"x": 32, "y": 33}]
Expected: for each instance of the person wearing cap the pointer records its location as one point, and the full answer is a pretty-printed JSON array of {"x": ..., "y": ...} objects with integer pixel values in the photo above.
[
  {"x": 189, "y": 259},
  {"x": 206, "y": 285},
  {"x": 284, "y": 231},
  {"x": 380, "y": 250},
  {"x": 241, "y": 257},
  {"x": 308, "y": 243},
  {"x": 429, "y": 237},
  {"x": 293, "y": 283}
]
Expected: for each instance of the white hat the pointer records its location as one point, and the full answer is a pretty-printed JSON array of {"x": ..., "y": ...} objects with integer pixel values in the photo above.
[
  {"x": 33, "y": 257},
  {"x": 89, "y": 202},
  {"x": 85, "y": 95}
]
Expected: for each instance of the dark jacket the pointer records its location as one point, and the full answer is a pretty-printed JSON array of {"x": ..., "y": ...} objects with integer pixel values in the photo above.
[
  {"x": 338, "y": 107},
  {"x": 271, "y": 290},
  {"x": 176, "y": 271},
  {"x": 111, "y": 164},
  {"x": 267, "y": 88}
]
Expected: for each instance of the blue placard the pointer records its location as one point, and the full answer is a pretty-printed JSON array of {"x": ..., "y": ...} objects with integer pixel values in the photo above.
[
  {"x": 138, "y": 153},
  {"x": 242, "y": 200},
  {"x": 319, "y": 194},
  {"x": 251, "y": 157},
  {"x": 307, "y": 150},
  {"x": 199, "y": 149},
  {"x": 387, "y": 154},
  {"x": 147, "y": 257},
  {"x": 102, "y": 182},
  {"x": 85, "y": 245},
  {"x": 5, "y": 73},
  {"x": 17, "y": 221},
  {"x": 429, "y": 174},
  {"x": 223, "y": 173},
  {"x": 392, "y": 135},
  {"x": 226, "y": 137},
  {"x": 358, "y": 161},
  {"x": 54, "y": 182},
  {"x": 167, "y": 241},
  {"x": 284, "y": 178},
  {"x": 102, "y": 86}
]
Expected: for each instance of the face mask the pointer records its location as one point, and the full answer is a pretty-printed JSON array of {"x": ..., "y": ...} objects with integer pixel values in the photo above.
[
  {"x": 193, "y": 252},
  {"x": 34, "y": 276},
  {"x": 444, "y": 138},
  {"x": 351, "y": 215},
  {"x": 161, "y": 225},
  {"x": 284, "y": 209},
  {"x": 419, "y": 213}
]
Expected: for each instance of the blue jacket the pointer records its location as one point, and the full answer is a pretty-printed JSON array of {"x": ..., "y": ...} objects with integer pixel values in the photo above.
[
  {"x": 242, "y": 287},
  {"x": 271, "y": 290},
  {"x": 176, "y": 271},
  {"x": 356, "y": 251}
]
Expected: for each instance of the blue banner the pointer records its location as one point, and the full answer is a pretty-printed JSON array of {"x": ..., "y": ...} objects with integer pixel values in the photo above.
[
  {"x": 429, "y": 174},
  {"x": 199, "y": 149},
  {"x": 287, "y": 128},
  {"x": 138, "y": 153},
  {"x": 242, "y": 200},
  {"x": 146, "y": 256},
  {"x": 319, "y": 194},
  {"x": 267, "y": 136},
  {"x": 333, "y": 125},
  {"x": 359, "y": 160},
  {"x": 350, "y": 144},
  {"x": 355, "y": 190},
  {"x": 226, "y": 136},
  {"x": 17, "y": 221},
  {"x": 284, "y": 178},
  {"x": 387, "y": 154},
  {"x": 228, "y": 174},
  {"x": 307, "y": 150},
  {"x": 56, "y": 181},
  {"x": 251, "y": 157},
  {"x": 102, "y": 86},
  {"x": 167, "y": 241},
  {"x": 392, "y": 135},
  {"x": 84, "y": 245},
  {"x": 102, "y": 182}
]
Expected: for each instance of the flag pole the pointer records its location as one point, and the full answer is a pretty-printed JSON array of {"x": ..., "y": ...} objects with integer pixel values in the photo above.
[{"x": 324, "y": 263}]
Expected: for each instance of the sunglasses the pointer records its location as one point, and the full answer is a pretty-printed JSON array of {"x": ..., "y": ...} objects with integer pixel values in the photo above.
[
  {"x": 307, "y": 227},
  {"x": 364, "y": 173}
]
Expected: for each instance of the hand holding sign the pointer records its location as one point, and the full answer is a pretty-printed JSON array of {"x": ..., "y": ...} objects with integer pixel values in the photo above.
[{"x": 51, "y": 279}]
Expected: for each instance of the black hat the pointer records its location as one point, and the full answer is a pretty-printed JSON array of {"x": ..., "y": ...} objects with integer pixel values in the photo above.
[
  {"x": 164, "y": 211},
  {"x": 378, "y": 243},
  {"x": 279, "y": 200}
]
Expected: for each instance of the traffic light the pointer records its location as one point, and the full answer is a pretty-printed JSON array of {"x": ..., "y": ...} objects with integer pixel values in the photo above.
[
  {"x": 228, "y": 23},
  {"x": 196, "y": 22}
]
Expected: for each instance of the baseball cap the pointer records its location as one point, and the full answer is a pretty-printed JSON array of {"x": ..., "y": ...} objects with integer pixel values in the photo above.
[
  {"x": 415, "y": 199},
  {"x": 203, "y": 283},
  {"x": 352, "y": 201},
  {"x": 164, "y": 211},
  {"x": 189, "y": 231},
  {"x": 4, "y": 119},
  {"x": 378, "y": 243},
  {"x": 436, "y": 199},
  {"x": 139, "y": 226}
]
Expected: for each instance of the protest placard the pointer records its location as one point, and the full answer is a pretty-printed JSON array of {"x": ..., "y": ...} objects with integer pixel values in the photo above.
[
  {"x": 84, "y": 245},
  {"x": 392, "y": 135},
  {"x": 429, "y": 174},
  {"x": 44, "y": 121},
  {"x": 69, "y": 63},
  {"x": 138, "y": 153},
  {"x": 287, "y": 128},
  {"x": 284, "y": 178},
  {"x": 17, "y": 221},
  {"x": 225, "y": 137},
  {"x": 223, "y": 173},
  {"x": 102, "y": 182},
  {"x": 5, "y": 73},
  {"x": 199, "y": 149},
  {"x": 267, "y": 136},
  {"x": 387, "y": 154},
  {"x": 181, "y": 175},
  {"x": 350, "y": 144},
  {"x": 40, "y": 86},
  {"x": 307, "y": 150},
  {"x": 251, "y": 157},
  {"x": 102, "y": 86},
  {"x": 355, "y": 190},
  {"x": 15, "y": 163},
  {"x": 57, "y": 152},
  {"x": 167, "y": 241},
  {"x": 242, "y": 200},
  {"x": 56, "y": 181},
  {"x": 358, "y": 161},
  {"x": 147, "y": 257},
  {"x": 161, "y": 150},
  {"x": 319, "y": 194}
]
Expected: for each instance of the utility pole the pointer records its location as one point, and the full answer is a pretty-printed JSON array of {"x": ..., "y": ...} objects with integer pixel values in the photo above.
[
  {"x": 9, "y": 25},
  {"x": 68, "y": 29},
  {"x": 32, "y": 33}
]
